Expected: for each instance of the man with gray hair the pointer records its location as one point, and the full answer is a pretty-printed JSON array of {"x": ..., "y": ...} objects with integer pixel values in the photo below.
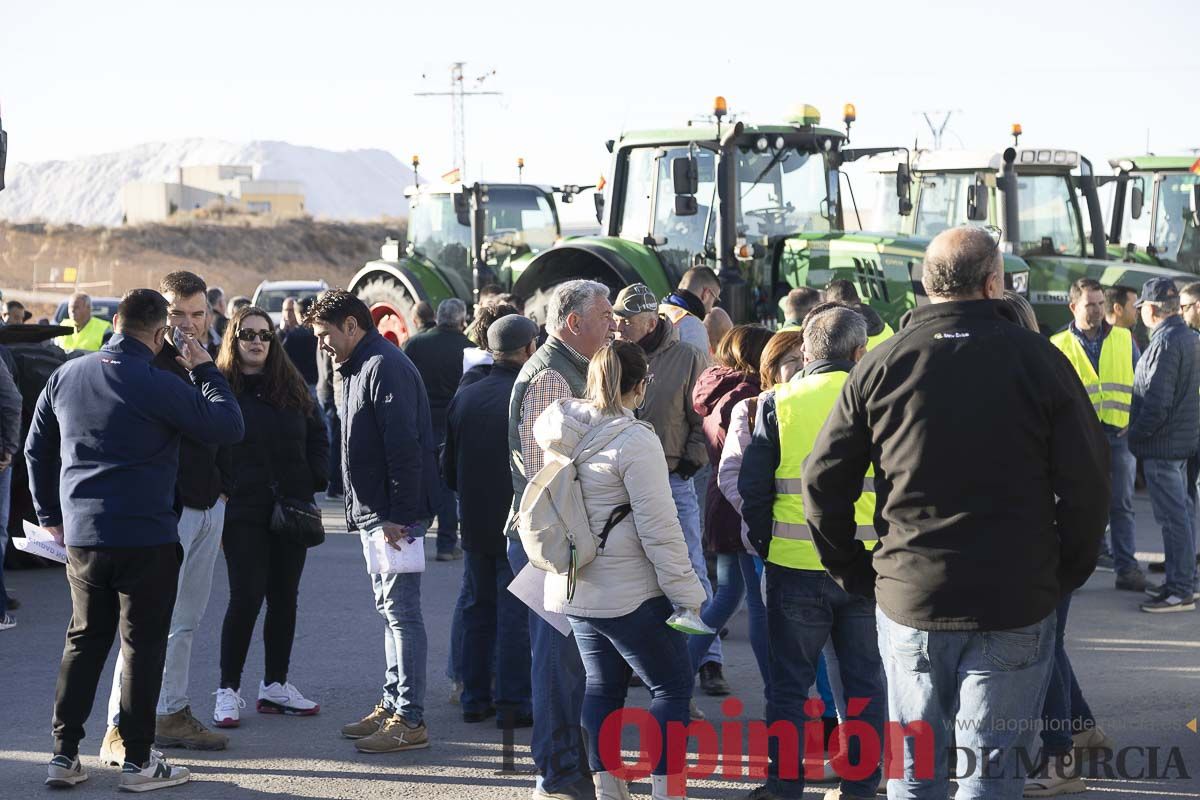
[
  {"x": 1164, "y": 432},
  {"x": 805, "y": 609},
  {"x": 437, "y": 355},
  {"x": 991, "y": 475},
  {"x": 89, "y": 331},
  {"x": 579, "y": 320}
]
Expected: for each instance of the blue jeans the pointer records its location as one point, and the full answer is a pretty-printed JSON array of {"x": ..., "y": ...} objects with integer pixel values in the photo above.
[
  {"x": 805, "y": 609},
  {"x": 688, "y": 510},
  {"x": 557, "y": 682},
  {"x": 495, "y": 632},
  {"x": 982, "y": 690},
  {"x": 5, "y": 507},
  {"x": 736, "y": 578},
  {"x": 398, "y": 601},
  {"x": 642, "y": 641},
  {"x": 447, "y": 503},
  {"x": 454, "y": 658},
  {"x": 1170, "y": 498},
  {"x": 333, "y": 425},
  {"x": 1065, "y": 711},
  {"x": 1120, "y": 510}
]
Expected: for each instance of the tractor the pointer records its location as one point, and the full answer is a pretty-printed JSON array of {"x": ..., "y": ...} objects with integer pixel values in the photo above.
[
  {"x": 461, "y": 238},
  {"x": 1155, "y": 216},
  {"x": 759, "y": 204}
]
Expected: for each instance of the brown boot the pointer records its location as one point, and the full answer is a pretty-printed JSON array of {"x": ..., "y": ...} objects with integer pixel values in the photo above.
[
  {"x": 368, "y": 725},
  {"x": 395, "y": 735},
  {"x": 112, "y": 749},
  {"x": 181, "y": 729}
]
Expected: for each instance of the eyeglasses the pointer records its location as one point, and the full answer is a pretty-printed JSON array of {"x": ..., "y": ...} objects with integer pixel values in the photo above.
[{"x": 249, "y": 335}]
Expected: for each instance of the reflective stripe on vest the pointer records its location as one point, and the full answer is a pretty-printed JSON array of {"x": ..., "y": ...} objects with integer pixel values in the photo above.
[
  {"x": 802, "y": 407},
  {"x": 1111, "y": 392},
  {"x": 880, "y": 338}
]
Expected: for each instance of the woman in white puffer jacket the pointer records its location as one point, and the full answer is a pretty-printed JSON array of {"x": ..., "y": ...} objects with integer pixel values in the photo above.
[{"x": 623, "y": 598}]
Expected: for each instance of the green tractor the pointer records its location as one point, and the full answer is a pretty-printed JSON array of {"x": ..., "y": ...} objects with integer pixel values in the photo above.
[
  {"x": 460, "y": 239},
  {"x": 1047, "y": 205},
  {"x": 759, "y": 204},
  {"x": 1164, "y": 232}
]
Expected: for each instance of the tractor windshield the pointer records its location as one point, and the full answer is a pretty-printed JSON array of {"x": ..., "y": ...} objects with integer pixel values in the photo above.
[
  {"x": 521, "y": 219},
  {"x": 1176, "y": 239},
  {"x": 942, "y": 202},
  {"x": 435, "y": 233},
  {"x": 1049, "y": 216},
  {"x": 784, "y": 192}
]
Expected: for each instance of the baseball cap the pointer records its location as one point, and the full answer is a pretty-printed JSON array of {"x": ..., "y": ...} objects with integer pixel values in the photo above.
[
  {"x": 1158, "y": 290},
  {"x": 635, "y": 299},
  {"x": 511, "y": 332}
]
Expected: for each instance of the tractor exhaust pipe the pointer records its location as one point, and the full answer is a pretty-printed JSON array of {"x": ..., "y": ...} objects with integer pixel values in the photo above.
[
  {"x": 1008, "y": 188},
  {"x": 735, "y": 292}
]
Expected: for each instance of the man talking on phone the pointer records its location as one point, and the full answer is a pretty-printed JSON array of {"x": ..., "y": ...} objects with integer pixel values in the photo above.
[{"x": 103, "y": 453}]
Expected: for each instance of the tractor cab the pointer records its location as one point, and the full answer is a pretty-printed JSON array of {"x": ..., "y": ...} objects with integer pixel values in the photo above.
[{"x": 1155, "y": 217}]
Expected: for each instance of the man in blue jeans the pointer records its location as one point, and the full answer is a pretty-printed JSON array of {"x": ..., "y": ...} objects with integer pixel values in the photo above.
[
  {"x": 391, "y": 481},
  {"x": 1164, "y": 433},
  {"x": 805, "y": 608},
  {"x": 991, "y": 478}
]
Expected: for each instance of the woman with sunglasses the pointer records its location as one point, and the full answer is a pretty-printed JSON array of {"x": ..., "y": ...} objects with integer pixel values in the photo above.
[
  {"x": 623, "y": 598},
  {"x": 285, "y": 454}
]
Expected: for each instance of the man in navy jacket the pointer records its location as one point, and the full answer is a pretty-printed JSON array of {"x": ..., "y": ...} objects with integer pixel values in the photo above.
[
  {"x": 390, "y": 478},
  {"x": 103, "y": 453}
]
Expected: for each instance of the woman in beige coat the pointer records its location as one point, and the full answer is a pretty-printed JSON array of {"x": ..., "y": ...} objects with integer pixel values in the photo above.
[{"x": 623, "y": 598}]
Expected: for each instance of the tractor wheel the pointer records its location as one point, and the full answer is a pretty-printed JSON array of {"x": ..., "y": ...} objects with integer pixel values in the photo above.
[{"x": 391, "y": 308}]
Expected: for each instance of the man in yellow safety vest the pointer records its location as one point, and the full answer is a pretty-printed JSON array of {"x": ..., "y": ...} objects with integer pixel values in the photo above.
[
  {"x": 1104, "y": 356},
  {"x": 89, "y": 331},
  {"x": 805, "y": 607}
]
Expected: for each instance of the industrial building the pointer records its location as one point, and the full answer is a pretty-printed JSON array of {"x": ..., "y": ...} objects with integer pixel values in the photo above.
[{"x": 198, "y": 186}]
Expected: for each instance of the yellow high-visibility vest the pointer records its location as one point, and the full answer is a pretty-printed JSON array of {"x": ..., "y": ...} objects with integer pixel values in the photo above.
[
  {"x": 880, "y": 338},
  {"x": 802, "y": 406},
  {"x": 89, "y": 337},
  {"x": 1111, "y": 391}
]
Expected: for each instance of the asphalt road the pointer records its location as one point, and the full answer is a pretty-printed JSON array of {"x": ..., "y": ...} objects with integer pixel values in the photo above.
[{"x": 1140, "y": 673}]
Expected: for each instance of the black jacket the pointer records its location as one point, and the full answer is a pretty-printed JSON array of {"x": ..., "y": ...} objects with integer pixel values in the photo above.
[
  {"x": 991, "y": 473},
  {"x": 301, "y": 346},
  {"x": 476, "y": 453},
  {"x": 1165, "y": 422},
  {"x": 204, "y": 468},
  {"x": 282, "y": 446},
  {"x": 437, "y": 354}
]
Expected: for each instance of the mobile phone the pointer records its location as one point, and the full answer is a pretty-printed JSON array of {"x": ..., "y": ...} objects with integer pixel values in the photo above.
[{"x": 179, "y": 337}]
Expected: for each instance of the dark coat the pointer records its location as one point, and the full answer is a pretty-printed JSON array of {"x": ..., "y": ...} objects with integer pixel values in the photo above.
[
  {"x": 991, "y": 473},
  {"x": 475, "y": 459},
  {"x": 109, "y": 424},
  {"x": 1165, "y": 422},
  {"x": 437, "y": 354},
  {"x": 718, "y": 390},
  {"x": 388, "y": 462},
  {"x": 301, "y": 346},
  {"x": 282, "y": 446}
]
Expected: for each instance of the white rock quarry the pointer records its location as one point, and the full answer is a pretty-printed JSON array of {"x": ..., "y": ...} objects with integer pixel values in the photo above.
[{"x": 349, "y": 185}]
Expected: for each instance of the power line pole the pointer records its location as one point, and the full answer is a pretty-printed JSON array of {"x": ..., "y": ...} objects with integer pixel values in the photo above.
[
  {"x": 938, "y": 130},
  {"x": 458, "y": 94}
]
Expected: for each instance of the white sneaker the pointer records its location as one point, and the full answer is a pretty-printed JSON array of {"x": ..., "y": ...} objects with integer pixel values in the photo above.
[
  {"x": 7, "y": 621},
  {"x": 63, "y": 772},
  {"x": 157, "y": 774},
  {"x": 225, "y": 712},
  {"x": 285, "y": 699}
]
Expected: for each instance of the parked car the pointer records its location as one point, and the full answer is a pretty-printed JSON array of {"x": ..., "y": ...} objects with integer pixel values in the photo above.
[{"x": 269, "y": 295}]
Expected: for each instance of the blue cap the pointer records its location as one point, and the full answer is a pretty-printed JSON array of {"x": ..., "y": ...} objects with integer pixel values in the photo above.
[{"x": 1158, "y": 290}]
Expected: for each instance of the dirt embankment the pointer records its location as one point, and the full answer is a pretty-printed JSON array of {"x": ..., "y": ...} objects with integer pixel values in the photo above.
[{"x": 235, "y": 254}]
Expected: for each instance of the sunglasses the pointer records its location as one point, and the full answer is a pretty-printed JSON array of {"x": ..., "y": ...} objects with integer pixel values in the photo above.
[{"x": 249, "y": 335}]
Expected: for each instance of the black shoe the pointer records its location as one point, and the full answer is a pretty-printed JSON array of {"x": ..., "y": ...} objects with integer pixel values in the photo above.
[
  {"x": 509, "y": 719},
  {"x": 1157, "y": 566},
  {"x": 1132, "y": 580},
  {"x": 479, "y": 716},
  {"x": 13, "y": 603},
  {"x": 1166, "y": 603},
  {"x": 1104, "y": 563},
  {"x": 712, "y": 681}
]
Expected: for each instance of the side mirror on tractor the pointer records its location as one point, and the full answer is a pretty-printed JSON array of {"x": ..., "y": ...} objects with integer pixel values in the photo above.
[
  {"x": 1137, "y": 198},
  {"x": 462, "y": 208},
  {"x": 685, "y": 175},
  {"x": 904, "y": 188},
  {"x": 977, "y": 202},
  {"x": 598, "y": 198},
  {"x": 1195, "y": 209}
]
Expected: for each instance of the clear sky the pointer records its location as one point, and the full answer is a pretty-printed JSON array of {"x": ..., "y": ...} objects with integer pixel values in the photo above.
[{"x": 84, "y": 77}]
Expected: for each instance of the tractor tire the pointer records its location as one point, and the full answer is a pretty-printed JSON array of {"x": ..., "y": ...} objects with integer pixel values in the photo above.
[
  {"x": 538, "y": 302},
  {"x": 392, "y": 308}
]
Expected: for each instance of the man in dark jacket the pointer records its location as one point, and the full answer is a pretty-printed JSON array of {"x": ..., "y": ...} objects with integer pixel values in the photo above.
[
  {"x": 103, "y": 454},
  {"x": 390, "y": 478},
  {"x": 991, "y": 481},
  {"x": 494, "y": 620},
  {"x": 202, "y": 488},
  {"x": 1164, "y": 432},
  {"x": 437, "y": 354},
  {"x": 328, "y": 391}
]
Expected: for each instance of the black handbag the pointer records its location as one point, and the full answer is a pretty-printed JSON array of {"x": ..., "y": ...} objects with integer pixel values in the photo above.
[{"x": 297, "y": 520}]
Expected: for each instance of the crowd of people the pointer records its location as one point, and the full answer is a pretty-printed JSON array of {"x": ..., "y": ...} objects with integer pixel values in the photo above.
[{"x": 824, "y": 474}]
